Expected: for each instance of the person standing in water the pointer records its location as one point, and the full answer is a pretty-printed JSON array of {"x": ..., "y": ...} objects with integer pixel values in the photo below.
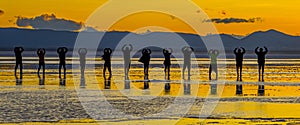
[
  {"x": 261, "y": 61},
  {"x": 62, "y": 59},
  {"x": 213, "y": 62},
  {"x": 41, "y": 53},
  {"x": 239, "y": 56},
  {"x": 167, "y": 53},
  {"x": 126, "y": 49},
  {"x": 107, "y": 61},
  {"x": 146, "y": 60},
  {"x": 18, "y": 54},
  {"x": 187, "y": 51},
  {"x": 82, "y": 55}
]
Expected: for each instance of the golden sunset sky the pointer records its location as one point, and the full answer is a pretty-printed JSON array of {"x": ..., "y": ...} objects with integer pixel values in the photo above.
[{"x": 282, "y": 15}]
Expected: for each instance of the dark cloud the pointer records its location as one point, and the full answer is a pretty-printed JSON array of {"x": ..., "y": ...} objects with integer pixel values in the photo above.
[
  {"x": 1, "y": 12},
  {"x": 47, "y": 21},
  {"x": 233, "y": 20}
]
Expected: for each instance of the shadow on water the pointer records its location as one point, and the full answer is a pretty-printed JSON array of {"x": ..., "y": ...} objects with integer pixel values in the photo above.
[
  {"x": 107, "y": 82},
  {"x": 239, "y": 90},
  {"x": 62, "y": 81},
  {"x": 127, "y": 83},
  {"x": 261, "y": 90}
]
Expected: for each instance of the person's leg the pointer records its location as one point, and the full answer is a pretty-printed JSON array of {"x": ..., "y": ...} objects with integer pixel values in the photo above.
[
  {"x": 59, "y": 70},
  {"x": 209, "y": 72},
  {"x": 38, "y": 72},
  {"x": 21, "y": 70},
  {"x": 104, "y": 70},
  {"x": 168, "y": 71},
  {"x": 189, "y": 70},
  {"x": 16, "y": 67},
  {"x": 43, "y": 70},
  {"x": 109, "y": 70},
  {"x": 259, "y": 67},
  {"x": 165, "y": 70},
  {"x": 65, "y": 74},
  {"x": 241, "y": 68},
  {"x": 216, "y": 71},
  {"x": 183, "y": 70},
  {"x": 262, "y": 72},
  {"x": 237, "y": 72}
]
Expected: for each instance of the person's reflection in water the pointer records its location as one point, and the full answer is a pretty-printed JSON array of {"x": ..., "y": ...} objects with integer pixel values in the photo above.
[
  {"x": 107, "y": 82},
  {"x": 261, "y": 90},
  {"x": 213, "y": 88},
  {"x": 167, "y": 85},
  {"x": 239, "y": 89},
  {"x": 41, "y": 80},
  {"x": 41, "y": 53},
  {"x": 62, "y": 60},
  {"x": 82, "y": 55},
  {"x": 62, "y": 81},
  {"x": 213, "y": 63},
  {"x": 18, "y": 54},
  {"x": 126, "y": 53},
  {"x": 82, "y": 82},
  {"x": 127, "y": 83},
  {"x": 187, "y": 87}
]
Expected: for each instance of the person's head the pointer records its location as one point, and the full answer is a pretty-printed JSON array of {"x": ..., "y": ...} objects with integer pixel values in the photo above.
[{"x": 239, "y": 50}]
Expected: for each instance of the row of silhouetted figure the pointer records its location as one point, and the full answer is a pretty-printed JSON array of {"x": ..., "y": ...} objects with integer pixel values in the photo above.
[{"x": 145, "y": 59}]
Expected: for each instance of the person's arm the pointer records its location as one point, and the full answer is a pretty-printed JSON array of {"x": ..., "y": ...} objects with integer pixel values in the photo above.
[
  {"x": 171, "y": 50},
  {"x": 266, "y": 49},
  {"x": 131, "y": 47},
  {"x": 234, "y": 51},
  {"x": 58, "y": 50},
  {"x": 123, "y": 48},
  {"x": 217, "y": 52},
  {"x": 109, "y": 51},
  {"x": 164, "y": 51},
  {"x": 44, "y": 51},
  {"x": 149, "y": 50},
  {"x": 192, "y": 49},
  {"x": 22, "y": 49},
  {"x": 256, "y": 50},
  {"x": 66, "y": 49},
  {"x": 210, "y": 52},
  {"x": 183, "y": 49},
  {"x": 244, "y": 51}
]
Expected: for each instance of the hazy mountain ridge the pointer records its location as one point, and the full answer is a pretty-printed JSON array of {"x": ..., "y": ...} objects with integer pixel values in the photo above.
[{"x": 33, "y": 39}]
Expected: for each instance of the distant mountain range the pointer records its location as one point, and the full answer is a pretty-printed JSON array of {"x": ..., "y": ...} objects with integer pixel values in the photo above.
[{"x": 32, "y": 39}]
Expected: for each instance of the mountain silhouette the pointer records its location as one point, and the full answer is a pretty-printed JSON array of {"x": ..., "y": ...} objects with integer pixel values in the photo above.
[{"x": 276, "y": 41}]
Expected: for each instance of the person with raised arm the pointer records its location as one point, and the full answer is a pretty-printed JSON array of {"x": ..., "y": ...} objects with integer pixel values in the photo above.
[
  {"x": 18, "y": 54},
  {"x": 167, "y": 53},
  {"x": 41, "y": 53},
  {"x": 126, "y": 49},
  {"x": 239, "y": 56},
  {"x": 107, "y": 61},
  {"x": 62, "y": 60},
  {"x": 187, "y": 51},
  {"x": 213, "y": 62},
  {"x": 82, "y": 58},
  {"x": 261, "y": 56},
  {"x": 145, "y": 59}
]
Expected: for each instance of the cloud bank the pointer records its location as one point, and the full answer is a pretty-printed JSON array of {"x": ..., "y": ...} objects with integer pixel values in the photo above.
[
  {"x": 47, "y": 21},
  {"x": 233, "y": 20}
]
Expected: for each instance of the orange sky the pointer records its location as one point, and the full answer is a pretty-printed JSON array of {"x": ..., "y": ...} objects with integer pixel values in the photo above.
[{"x": 282, "y": 15}]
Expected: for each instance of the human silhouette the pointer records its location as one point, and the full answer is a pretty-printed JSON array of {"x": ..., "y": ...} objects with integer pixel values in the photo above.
[
  {"x": 261, "y": 90},
  {"x": 18, "y": 54},
  {"x": 213, "y": 62},
  {"x": 145, "y": 59},
  {"x": 167, "y": 85},
  {"x": 41, "y": 53},
  {"x": 82, "y": 55},
  {"x": 167, "y": 53},
  {"x": 187, "y": 51},
  {"x": 261, "y": 61},
  {"x": 146, "y": 82},
  {"x": 239, "y": 55},
  {"x": 62, "y": 81},
  {"x": 62, "y": 59},
  {"x": 107, "y": 61},
  {"x": 41, "y": 81},
  {"x": 126, "y": 49}
]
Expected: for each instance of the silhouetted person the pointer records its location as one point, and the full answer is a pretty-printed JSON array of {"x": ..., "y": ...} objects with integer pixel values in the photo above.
[
  {"x": 239, "y": 56},
  {"x": 41, "y": 53},
  {"x": 62, "y": 60},
  {"x": 146, "y": 60},
  {"x": 213, "y": 62},
  {"x": 107, "y": 61},
  {"x": 18, "y": 53},
  {"x": 261, "y": 61},
  {"x": 126, "y": 53},
  {"x": 187, "y": 51},
  {"x": 82, "y": 55},
  {"x": 167, "y": 53}
]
